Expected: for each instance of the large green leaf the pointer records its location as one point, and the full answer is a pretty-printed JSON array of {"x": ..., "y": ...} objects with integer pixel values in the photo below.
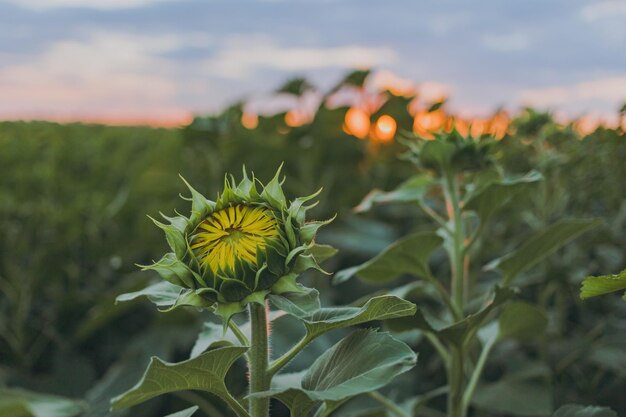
[
  {"x": 361, "y": 362},
  {"x": 408, "y": 255},
  {"x": 410, "y": 191},
  {"x": 540, "y": 246},
  {"x": 22, "y": 403},
  {"x": 574, "y": 410},
  {"x": 297, "y": 401},
  {"x": 594, "y": 286},
  {"x": 522, "y": 321},
  {"x": 493, "y": 197},
  {"x": 205, "y": 372},
  {"x": 323, "y": 320},
  {"x": 187, "y": 412}
]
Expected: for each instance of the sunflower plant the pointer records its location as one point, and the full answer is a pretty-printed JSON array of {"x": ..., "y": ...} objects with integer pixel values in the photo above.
[
  {"x": 244, "y": 252},
  {"x": 466, "y": 309}
]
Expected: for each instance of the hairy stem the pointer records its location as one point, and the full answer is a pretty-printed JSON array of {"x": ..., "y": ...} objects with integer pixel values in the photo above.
[
  {"x": 260, "y": 378},
  {"x": 279, "y": 363}
]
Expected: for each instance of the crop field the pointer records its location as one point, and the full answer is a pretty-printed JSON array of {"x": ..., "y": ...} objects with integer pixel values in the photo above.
[{"x": 451, "y": 267}]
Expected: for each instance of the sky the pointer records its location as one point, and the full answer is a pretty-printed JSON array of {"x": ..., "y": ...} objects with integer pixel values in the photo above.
[{"x": 160, "y": 61}]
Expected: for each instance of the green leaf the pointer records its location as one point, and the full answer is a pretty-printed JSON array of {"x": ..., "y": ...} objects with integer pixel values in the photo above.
[
  {"x": 496, "y": 195},
  {"x": 297, "y": 401},
  {"x": 411, "y": 191},
  {"x": 323, "y": 320},
  {"x": 462, "y": 331},
  {"x": 594, "y": 286},
  {"x": 408, "y": 255},
  {"x": 540, "y": 246},
  {"x": 163, "y": 294},
  {"x": 205, "y": 372},
  {"x": 574, "y": 410},
  {"x": 22, "y": 403},
  {"x": 522, "y": 321},
  {"x": 188, "y": 412},
  {"x": 514, "y": 397},
  {"x": 361, "y": 362}
]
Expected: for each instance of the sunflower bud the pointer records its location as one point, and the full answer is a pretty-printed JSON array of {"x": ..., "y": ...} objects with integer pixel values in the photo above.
[
  {"x": 248, "y": 243},
  {"x": 451, "y": 151}
]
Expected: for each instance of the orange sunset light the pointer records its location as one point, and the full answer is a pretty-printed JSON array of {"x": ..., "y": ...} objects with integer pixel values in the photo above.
[
  {"x": 385, "y": 128},
  {"x": 357, "y": 123}
]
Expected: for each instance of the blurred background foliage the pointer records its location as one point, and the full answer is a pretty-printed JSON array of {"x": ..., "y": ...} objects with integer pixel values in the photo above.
[{"x": 74, "y": 200}]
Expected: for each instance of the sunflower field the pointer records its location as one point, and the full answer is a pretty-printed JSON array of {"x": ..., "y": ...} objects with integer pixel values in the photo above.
[{"x": 437, "y": 272}]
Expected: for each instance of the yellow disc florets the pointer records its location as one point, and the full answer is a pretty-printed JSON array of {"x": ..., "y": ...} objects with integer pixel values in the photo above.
[{"x": 236, "y": 232}]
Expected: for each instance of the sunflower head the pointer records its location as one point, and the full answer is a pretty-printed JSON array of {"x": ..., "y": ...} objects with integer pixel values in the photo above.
[
  {"x": 246, "y": 244},
  {"x": 452, "y": 152}
]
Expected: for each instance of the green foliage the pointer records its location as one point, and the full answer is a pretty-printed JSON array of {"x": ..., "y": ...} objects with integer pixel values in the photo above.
[
  {"x": 594, "y": 286},
  {"x": 573, "y": 410},
  {"x": 21, "y": 403},
  {"x": 540, "y": 246},
  {"x": 73, "y": 200},
  {"x": 205, "y": 372},
  {"x": 363, "y": 361}
]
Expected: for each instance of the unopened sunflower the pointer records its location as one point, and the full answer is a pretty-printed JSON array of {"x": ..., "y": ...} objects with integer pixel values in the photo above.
[{"x": 248, "y": 243}]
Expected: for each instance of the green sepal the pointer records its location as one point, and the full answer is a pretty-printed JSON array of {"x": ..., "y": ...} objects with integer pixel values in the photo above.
[
  {"x": 233, "y": 290},
  {"x": 190, "y": 298},
  {"x": 200, "y": 205},
  {"x": 226, "y": 310},
  {"x": 171, "y": 269},
  {"x": 180, "y": 223},
  {"x": 175, "y": 238},
  {"x": 287, "y": 284},
  {"x": 321, "y": 252},
  {"x": 297, "y": 209},
  {"x": 309, "y": 229},
  {"x": 306, "y": 262},
  {"x": 273, "y": 191}
]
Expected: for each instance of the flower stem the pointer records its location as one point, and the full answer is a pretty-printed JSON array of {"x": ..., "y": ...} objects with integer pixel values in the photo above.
[
  {"x": 279, "y": 363},
  {"x": 390, "y": 405},
  {"x": 455, "y": 381},
  {"x": 457, "y": 249},
  {"x": 456, "y": 253},
  {"x": 260, "y": 378}
]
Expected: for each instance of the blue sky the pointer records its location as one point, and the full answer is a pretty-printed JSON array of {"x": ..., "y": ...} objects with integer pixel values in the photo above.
[{"x": 160, "y": 59}]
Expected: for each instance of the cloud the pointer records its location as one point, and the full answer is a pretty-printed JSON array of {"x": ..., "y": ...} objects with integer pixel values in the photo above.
[
  {"x": 603, "y": 10},
  {"x": 109, "y": 74},
  {"x": 242, "y": 56},
  {"x": 609, "y": 92},
  {"x": 86, "y": 4}
]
